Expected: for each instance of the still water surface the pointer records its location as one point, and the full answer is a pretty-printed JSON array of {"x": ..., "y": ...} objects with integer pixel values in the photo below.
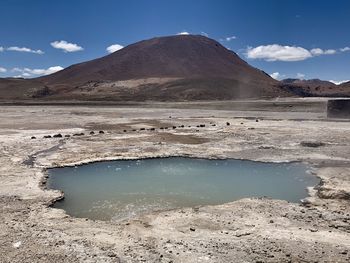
[{"x": 115, "y": 190}]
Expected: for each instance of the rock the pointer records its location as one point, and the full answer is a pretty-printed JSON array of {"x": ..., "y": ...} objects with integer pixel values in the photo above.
[
  {"x": 228, "y": 124},
  {"x": 33, "y": 137},
  {"x": 152, "y": 129},
  {"x": 213, "y": 125},
  {"x": 202, "y": 125},
  {"x": 101, "y": 132},
  {"x": 174, "y": 127},
  {"x": 256, "y": 120},
  {"x": 17, "y": 244},
  {"x": 313, "y": 144},
  {"x": 92, "y": 133},
  {"x": 124, "y": 130},
  {"x": 47, "y": 136},
  {"x": 67, "y": 135},
  {"x": 142, "y": 129},
  {"x": 78, "y": 134},
  {"x": 192, "y": 229},
  {"x": 58, "y": 135}
]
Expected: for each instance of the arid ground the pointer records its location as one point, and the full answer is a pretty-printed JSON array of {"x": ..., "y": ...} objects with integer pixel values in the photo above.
[{"x": 247, "y": 230}]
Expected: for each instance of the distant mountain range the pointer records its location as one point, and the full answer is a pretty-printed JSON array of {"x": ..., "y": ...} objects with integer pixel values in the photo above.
[
  {"x": 315, "y": 87},
  {"x": 184, "y": 67}
]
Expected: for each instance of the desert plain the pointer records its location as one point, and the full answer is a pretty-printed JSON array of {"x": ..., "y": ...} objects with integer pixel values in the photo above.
[{"x": 248, "y": 230}]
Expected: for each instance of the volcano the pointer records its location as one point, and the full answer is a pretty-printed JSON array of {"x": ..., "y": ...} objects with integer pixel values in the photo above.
[{"x": 182, "y": 67}]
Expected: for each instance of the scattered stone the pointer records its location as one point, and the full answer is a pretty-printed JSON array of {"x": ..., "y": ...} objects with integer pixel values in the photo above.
[
  {"x": 67, "y": 135},
  {"x": 33, "y": 137},
  {"x": 17, "y": 244},
  {"x": 47, "y": 136},
  {"x": 142, "y": 129},
  {"x": 174, "y": 127},
  {"x": 228, "y": 124},
  {"x": 152, "y": 129},
  {"x": 58, "y": 135},
  {"x": 192, "y": 229},
  {"x": 202, "y": 125},
  {"x": 78, "y": 134},
  {"x": 256, "y": 120},
  {"x": 124, "y": 130},
  {"x": 313, "y": 144},
  {"x": 92, "y": 133},
  {"x": 101, "y": 132}
]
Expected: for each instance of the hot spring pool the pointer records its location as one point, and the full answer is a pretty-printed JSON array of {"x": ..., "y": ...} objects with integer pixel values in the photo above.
[{"x": 115, "y": 190}]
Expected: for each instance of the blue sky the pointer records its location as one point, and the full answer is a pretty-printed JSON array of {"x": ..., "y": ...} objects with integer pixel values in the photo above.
[{"x": 309, "y": 39}]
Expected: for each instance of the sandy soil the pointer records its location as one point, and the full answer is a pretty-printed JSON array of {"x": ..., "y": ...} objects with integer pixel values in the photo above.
[{"x": 248, "y": 230}]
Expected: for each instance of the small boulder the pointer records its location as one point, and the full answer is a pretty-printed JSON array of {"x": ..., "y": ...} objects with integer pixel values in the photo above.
[
  {"x": 101, "y": 132},
  {"x": 58, "y": 135},
  {"x": 33, "y": 137},
  {"x": 228, "y": 124},
  {"x": 313, "y": 144},
  {"x": 92, "y": 133}
]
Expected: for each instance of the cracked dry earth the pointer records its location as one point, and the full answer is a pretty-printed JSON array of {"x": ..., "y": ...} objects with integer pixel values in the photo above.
[{"x": 247, "y": 230}]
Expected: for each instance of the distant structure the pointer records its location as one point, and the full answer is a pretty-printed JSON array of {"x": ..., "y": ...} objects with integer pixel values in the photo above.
[{"x": 338, "y": 108}]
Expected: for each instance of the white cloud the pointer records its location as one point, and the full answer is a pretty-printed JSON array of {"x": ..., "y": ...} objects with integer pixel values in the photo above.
[
  {"x": 3, "y": 70},
  {"x": 277, "y": 52},
  {"x": 25, "y": 49},
  {"x": 319, "y": 51},
  {"x": 27, "y": 72},
  {"x": 345, "y": 49},
  {"x": 228, "y": 39},
  {"x": 1, "y": 49},
  {"x": 338, "y": 82},
  {"x": 300, "y": 75},
  {"x": 275, "y": 75},
  {"x": 65, "y": 46},
  {"x": 114, "y": 48},
  {"x": 183, "y": 33}
]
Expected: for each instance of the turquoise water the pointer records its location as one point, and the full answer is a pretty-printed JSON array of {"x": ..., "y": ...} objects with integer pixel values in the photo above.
[{"x": 115, "y": 190}]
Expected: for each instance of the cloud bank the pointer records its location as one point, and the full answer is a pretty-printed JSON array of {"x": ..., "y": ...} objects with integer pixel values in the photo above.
[
  {"x": 27, "y": 72},
  {"x": 277, "y": 52},
  {"x": 25, "y": 49}
]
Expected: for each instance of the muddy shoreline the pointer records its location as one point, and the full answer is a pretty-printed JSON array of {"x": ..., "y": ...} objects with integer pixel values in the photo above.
[{"x": 247, "y": 230}]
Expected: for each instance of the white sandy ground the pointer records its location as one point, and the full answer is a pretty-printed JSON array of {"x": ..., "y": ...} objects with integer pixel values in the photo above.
[{"x": 248, "y": 230}]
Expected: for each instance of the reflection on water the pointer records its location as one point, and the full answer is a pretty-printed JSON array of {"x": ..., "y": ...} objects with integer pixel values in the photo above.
[{"x": 115, "y": 190}]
